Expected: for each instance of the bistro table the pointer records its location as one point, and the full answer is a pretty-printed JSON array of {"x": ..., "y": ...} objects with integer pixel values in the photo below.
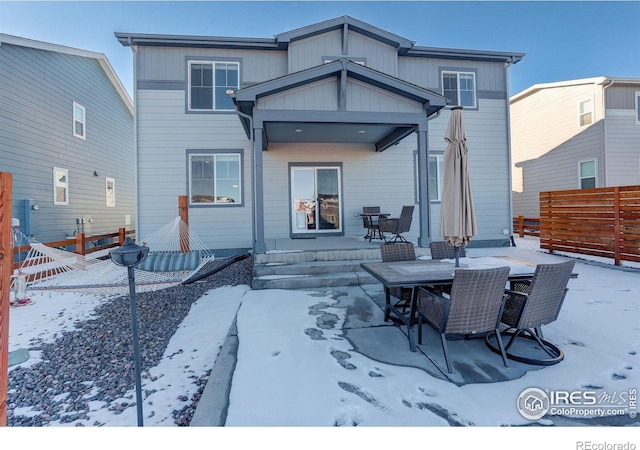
[
  {"x": 371, "y": 229},
  {"x": 429, "y": 272}
]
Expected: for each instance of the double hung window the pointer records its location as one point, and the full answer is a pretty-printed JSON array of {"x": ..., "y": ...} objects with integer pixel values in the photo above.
[
  {"x": 79, "y": 121},
  {"x": 586, "y": 113},
  {"x": 208, "y": 85},
  {"x": 459, "y": 88},
  {"x": 587, "y": 173},
  {"x": 215, "y": 178}
]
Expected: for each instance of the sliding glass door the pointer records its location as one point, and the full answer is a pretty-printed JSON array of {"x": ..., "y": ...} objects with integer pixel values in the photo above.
[{"x": 315, "y": 199}]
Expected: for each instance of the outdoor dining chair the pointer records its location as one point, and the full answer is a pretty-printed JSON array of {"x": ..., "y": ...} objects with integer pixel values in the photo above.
[
  {"x": 473, "y": 309},
  {"x": 371, "y": 223},
  {"x": 443, "y": 250},
  {"x": 399, "y": 251},
  {"x": 529, "y": 305},
  {"x": 397, "y": 225}
]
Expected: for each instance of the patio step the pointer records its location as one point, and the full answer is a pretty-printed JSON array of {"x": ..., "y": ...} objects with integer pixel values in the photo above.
[{"x": 315, "y": 269}]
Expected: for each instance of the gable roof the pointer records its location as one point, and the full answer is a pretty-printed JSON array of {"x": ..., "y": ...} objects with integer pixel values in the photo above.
[
  {"x": 100, "y": 57},
  {"x": 405, "y": 47},
  {"x": 432, "y": 101}
]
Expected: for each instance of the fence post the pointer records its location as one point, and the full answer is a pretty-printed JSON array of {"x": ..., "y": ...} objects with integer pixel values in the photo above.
[
  {"x": 183, "y": 210},
  {"x": 6, "y": 269},
  {"x": 122, "y": 233},
  {"x": 521, "y": 225},
  {"x": 616, "y": 226},
  {"x": 80, "y": 244}
]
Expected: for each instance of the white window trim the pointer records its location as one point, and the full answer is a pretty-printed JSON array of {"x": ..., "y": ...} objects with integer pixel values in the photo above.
[
  {"x": 458, "y": 73},
  {"x": 213, "y": 87},
  {"x": 215, "y": 154},
  {"x": 637, "y": 97},
  {"x": 580, "y": 114},
  {"x": 55, "y": 186},
  {"x": 110, "y": 200},
  {"x": 83, "y": 122},
  {"x": 595, "y": 171}
]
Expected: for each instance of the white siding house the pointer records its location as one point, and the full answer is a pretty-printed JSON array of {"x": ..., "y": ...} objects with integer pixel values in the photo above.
[
  {"x": 289, "y": 137},
  {"x": 574, "y": 134}
]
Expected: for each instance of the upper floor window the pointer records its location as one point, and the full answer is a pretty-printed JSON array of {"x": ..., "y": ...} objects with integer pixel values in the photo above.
[
  {"x": 60, "y": 186},
  {"x": 208, "y": 85},
  {"x": 110, "y": 192},
  {"x": 587, "y": 173},
  {"x": 586, "y": 113},
  {"x": 79, "y": 121},
  {"x": 637, "y": 107},
  {"x": 459, "y": 88},
  {"x": 215, "y": 178}
]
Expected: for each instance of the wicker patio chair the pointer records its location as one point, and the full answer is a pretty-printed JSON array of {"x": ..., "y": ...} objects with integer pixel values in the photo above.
[
  {"x": 530, "y": 305},
  {"x": 397, "y": 225},
  {"x": 399, "y": 251},
  {"x": 371, "y": 223},
  {"x": 442, "y": 250},
  {"x": 474, "y": 307}
]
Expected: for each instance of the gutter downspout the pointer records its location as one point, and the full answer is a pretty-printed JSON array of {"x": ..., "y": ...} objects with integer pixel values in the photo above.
[
  {"x": 604, "y": 130},
  {"x": 136, "y": 181},
  {"x": 509, "y": 159},
  {"x": 253, "y": 175}
]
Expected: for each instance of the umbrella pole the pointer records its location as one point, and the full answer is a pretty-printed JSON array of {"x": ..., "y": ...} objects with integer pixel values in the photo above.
[{"x": 457, "y": 251}]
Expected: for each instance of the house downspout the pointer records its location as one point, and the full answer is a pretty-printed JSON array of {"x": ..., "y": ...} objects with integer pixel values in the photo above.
[
  {"x": 253, "y": 175},
  {"x": 136, "y": 182},
  {"x": 512, "y": 242},
  {"x": 604, "y": 131}
]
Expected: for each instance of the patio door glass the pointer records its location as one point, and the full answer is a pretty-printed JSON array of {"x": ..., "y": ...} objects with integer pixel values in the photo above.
[{"x": 315, "y": 199}]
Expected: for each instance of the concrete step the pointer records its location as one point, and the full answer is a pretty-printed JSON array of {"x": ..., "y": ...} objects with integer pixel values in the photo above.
[{"x": 315, "y": 269}]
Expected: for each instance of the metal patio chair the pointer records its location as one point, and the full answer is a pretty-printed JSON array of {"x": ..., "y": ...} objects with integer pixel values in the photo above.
[
  {"x": 397, "y": 225},
  {"x": 473, "y": 308},
  {"x": 530, "y": 305},
  {"x": 371, "y": 223},
  {"x": 399, "y": 251}
]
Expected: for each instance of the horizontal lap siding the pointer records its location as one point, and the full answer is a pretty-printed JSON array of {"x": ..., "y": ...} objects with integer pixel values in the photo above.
[
  {"x": 165, "y": 133},
  {"x": 38, "y": 90},
  {"x": 623, "y": 148}
]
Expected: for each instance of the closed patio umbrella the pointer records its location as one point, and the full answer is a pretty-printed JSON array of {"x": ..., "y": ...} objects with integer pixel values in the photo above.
[{"x": 457, "y": 216}]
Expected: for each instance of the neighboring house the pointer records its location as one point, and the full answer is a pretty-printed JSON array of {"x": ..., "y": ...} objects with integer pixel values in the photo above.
[
  {"x": 574, "y": 134},
  {"x": 66, "y": 135},
  {"x": 289, "y": 137}
]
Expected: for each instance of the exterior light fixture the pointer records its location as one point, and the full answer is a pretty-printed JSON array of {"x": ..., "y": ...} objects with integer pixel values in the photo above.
[{"x": 129, "y": 255}]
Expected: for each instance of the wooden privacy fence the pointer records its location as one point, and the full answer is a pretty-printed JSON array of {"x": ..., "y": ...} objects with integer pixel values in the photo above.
[{"x": 600, "y": 222}]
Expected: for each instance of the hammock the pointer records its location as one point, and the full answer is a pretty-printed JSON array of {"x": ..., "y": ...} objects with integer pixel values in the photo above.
[{"x": 175, "y": 254}]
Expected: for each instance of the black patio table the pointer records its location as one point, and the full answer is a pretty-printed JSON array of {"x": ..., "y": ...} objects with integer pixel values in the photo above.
[
  {"x": 413, "y": 274},
  {"x": 371, "y": 230}
]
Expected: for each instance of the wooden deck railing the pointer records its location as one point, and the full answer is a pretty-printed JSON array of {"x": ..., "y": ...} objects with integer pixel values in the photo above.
[
  {"x": 601, "y": 222},
  {"x": 82, "y": 243}
]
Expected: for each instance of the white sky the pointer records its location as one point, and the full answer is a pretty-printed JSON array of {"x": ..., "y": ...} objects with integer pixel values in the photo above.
[{"x": 285, "y": 379}]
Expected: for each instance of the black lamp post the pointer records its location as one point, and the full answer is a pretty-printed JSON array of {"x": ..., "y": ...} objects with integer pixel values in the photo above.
[{"x": 129, "y": 255}]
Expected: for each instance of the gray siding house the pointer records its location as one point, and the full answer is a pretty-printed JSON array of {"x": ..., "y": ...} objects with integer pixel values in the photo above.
[
  {"x": 574, "y": 134},
  {"x": 66, "y": 135},
  {"x": 290, "y": 136}
]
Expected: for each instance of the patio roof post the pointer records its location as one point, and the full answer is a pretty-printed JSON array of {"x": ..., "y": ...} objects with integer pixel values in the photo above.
[
  {"x": 424, "y": 238},
  {"x": 259, "y": 245}
]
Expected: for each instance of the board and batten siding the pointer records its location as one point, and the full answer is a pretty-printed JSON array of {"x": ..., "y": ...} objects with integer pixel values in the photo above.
[
  {"x": 36, "y": 114},
  {"x": 312, "y": 51},
  {"x": 165, "y": 133}
]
